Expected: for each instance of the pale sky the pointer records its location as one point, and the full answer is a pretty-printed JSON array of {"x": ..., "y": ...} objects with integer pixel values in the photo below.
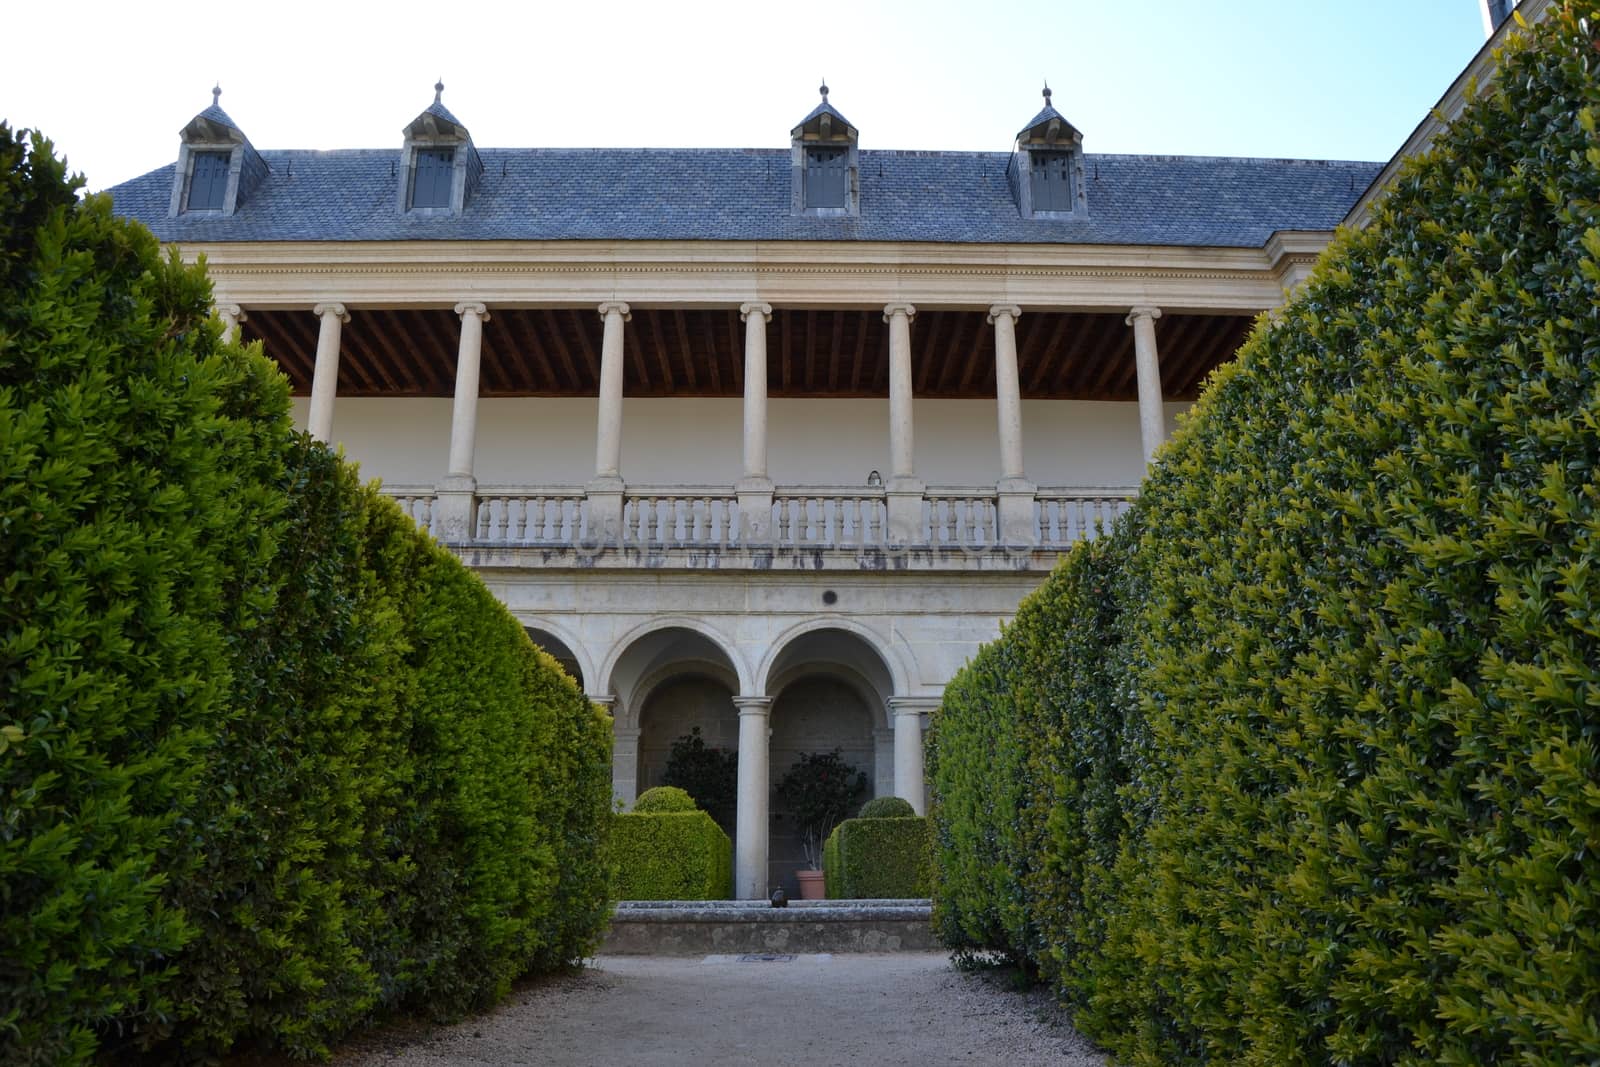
[{"x": 112, "y": 83}]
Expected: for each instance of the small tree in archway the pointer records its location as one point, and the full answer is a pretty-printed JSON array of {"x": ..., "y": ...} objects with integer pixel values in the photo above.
[
  {"x": 709, "y": 773},
  {"x": 819, "y": 792}
]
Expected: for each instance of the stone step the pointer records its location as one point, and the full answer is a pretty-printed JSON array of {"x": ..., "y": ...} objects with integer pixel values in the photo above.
[{"x": 722, "y": 927}]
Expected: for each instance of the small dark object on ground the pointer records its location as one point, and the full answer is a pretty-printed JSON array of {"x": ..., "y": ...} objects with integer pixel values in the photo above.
[{"x": 780, "y": 899}]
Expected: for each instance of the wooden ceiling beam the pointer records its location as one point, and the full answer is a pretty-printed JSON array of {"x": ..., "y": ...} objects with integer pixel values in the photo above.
[
  {"x": 784, "y": 332},
  {"x": 834, "y": 347},
  {"x": 924, "y": 369},
  {"x": 683, "y": 348},
  {"x": 713, "y": 357},
  {"x": 552, "y": 329},
  {"x": 863, "y": 324},
  {"x": 633, "y": 347},
  {"x": 737, "y": 359},
  {"x": 586, "y": 346},
  {"x": 1052, "y": 350},
  {"x": 518, "y": 335}
]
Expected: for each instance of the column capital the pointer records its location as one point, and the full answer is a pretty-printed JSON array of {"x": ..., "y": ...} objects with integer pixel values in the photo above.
[
  {"x": 232, "y": 311},
  {"x": 899, "y": 308},
  {"x": 470, "y": 307},
  {"x": 753, "y": 705},
  {"x": 914, "y": 705},
  {"x": 748, "y": 309},
  {"x": 1004, "y": 309},
  {"x": 608, "y": 701},
  {"x": 1143, "y": 311},
  {"x": 324, "y": 310},
  {"x": 616, "y": 306},
  {"x": 626, "y": 733}
]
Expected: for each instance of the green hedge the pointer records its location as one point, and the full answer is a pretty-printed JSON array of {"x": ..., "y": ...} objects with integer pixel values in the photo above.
[
  {"x": 1299, "y": 765},
  {"x": 273, "y": 763},
  {"x": 872, "y": 858},
  {"x": 671, "y": 856}
]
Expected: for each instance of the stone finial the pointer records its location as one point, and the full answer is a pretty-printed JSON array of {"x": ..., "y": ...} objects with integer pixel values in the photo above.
[
  {"x": 216, "y": 95},
  {"x": 1046, "y": 94},
  {"x": 823, "y": 89},
  {"x": 438, "y": 90}
]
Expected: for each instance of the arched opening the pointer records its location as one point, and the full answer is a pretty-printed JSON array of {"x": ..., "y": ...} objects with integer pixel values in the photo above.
[
  {"x": 559, "y": 651},
  {"x": 674, "y": 711},
  {"x": 831, "y": 689},
  {"x": 668, "y": 683}
]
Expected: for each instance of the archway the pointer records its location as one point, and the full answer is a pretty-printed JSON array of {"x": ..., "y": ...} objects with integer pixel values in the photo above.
[
  {"x": 559, "y": 651},
  {"x": 831, "y": 688},
  {"x": 668, "y": 682}
]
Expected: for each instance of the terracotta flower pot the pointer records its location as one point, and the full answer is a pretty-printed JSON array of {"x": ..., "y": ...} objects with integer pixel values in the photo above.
[{"x": 812, "y": 886}]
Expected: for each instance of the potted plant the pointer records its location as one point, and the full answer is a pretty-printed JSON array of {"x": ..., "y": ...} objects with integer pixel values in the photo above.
[{"x": 818, "y": 793}]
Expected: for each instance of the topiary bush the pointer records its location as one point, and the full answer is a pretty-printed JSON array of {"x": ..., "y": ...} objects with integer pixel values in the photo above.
[
  {"x": 671, "y": 855},
  {"x": 274, "y": 762},
  {"x": 876, "y": 857},
  {"x": 663, "y": 799},
  {"x": 1300, "y": 765},
  {"x": 886, "y": 808}
]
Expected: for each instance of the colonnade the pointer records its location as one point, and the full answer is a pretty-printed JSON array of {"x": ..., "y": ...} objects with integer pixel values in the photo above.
[{"x": 904, "y": 489}]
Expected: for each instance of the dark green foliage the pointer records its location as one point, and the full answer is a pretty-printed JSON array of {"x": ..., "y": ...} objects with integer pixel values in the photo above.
[
  {"x": 816, "y": 794},
  {"x": 708, "y": 773},
  {"x": 671, "y": 855},
  {"x": 878, "y": 856},
  {"x": 886, "y": 808},
  {"x": 663, "y": 799},
  {"x": 1310, "y": 746},
  {"x": 272, "y": 763}
]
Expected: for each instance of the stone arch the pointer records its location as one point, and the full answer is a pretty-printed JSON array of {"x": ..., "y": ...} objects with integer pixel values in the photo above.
[
  {"x": 559, "y": 642},
  {"x": 626, "y": 665},
  {"x": 868, "y": 655}
]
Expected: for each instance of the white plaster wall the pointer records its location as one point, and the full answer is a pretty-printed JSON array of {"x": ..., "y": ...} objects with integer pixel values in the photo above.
[{"x": 698, "y": 441}]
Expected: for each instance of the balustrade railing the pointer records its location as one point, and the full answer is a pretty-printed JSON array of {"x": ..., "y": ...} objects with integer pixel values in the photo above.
[
  {"x": 416, "y": 503},
  {"x": 818, "y": 517},
  {"x": 1066, "y": 516},
  {"x": 823, "y": 517},
  {"x": 530, "y": 516},
  {"x": 680, "y": 517}
]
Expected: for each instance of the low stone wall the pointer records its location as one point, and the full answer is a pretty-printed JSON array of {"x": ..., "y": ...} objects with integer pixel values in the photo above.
[{"x": 697, "y": 927}]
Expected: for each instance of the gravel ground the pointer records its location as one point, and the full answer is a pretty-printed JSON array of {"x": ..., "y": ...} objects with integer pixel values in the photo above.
[{"x": 884, "y": 1010}]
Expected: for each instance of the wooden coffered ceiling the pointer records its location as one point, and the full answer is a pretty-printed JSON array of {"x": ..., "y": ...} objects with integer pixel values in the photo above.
[{"x": 698, "y": 352}]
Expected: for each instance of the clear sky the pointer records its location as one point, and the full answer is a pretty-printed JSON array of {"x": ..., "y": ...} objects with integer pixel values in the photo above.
[{"x": 112, "y": 83}]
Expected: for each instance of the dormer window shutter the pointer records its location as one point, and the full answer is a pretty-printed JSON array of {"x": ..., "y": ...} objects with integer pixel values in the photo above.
[
  {"x": 435, "y": 172},
  {"x": 1052, "y": 181},
  {"x": 827, "y": 177},
  {"x": 208, "y": 184}
]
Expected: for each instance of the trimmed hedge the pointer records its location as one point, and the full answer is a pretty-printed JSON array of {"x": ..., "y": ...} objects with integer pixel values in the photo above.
[
  {"x": 875, "y": 858},
  {"x": 663, "y": 799},
  {"x": 675, "y": 855},
  {"x": 886, "y": 808},
  {"x": 273, "y": 763},
  {"x": 1299, "y": 765}
]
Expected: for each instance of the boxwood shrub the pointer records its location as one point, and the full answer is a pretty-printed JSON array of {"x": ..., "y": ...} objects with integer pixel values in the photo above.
[
  {"x": 874, "y": 858},
  {"x": 272, "y": 763},
  {"x": 1300, "y": 764},
  {"x": 671, "y": 855}
]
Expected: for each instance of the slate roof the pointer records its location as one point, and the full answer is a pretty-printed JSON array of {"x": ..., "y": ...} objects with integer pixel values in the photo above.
[{"x": 576, "y": 194}]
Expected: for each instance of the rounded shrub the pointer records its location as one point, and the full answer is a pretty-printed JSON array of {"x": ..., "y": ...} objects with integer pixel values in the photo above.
[
  {"x": 887, "y": 808},
  {"x": 663, "y": 799}
]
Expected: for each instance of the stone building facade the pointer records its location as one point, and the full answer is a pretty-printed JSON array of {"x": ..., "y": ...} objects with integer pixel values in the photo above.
[{"x": 765, "y": 442}]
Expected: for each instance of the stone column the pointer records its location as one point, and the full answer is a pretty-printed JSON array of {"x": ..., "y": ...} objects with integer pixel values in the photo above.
[
  {"x": 1015, "y": 492},
  {"x": 231, "y": 315},
  {"x": 906, "y": 491},
  {"x": 751, "y": 817},
  {"x": 908, "y": 782},
  {"x": 1152, "y": 420},
  {"x": 325, "y": 376},
  {"x": 605, "y": 491},
  {"x": 455, "y": 503},
  {"x": 755, "y": 487},
  {"x": 624, "y": 759}
]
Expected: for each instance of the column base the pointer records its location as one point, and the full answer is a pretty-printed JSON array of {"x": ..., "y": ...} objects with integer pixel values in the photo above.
[
  {"x": 905, "y": 498},
  {"x": 603, "y": 512},
  {"x": 455, "y": 509},
  {"x": 1018, "y": 525},
  {"x": 755, "y": 511}
]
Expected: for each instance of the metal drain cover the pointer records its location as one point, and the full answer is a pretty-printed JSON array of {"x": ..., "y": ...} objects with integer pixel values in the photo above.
[{"x": 767, "y": 957}]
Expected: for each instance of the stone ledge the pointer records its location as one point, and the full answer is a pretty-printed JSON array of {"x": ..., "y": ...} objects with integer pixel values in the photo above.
[{"x": 696, "y": 927}]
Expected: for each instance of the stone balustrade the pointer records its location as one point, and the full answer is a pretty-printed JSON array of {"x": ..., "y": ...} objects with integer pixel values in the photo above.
[{"x": 829, "y": 518}]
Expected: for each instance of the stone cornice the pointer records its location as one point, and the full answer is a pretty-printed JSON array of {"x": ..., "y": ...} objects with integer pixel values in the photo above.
[{"x": 788, "y": 274}]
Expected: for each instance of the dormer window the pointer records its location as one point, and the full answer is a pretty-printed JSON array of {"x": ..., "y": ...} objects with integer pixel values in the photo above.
[
  {"x": 439, "y": 167},
  {"x": 217, "y": 167},
  {"x": 827, "y": 177},
  {"x": 1051, "y": 180},
  {"x": 1046, "y": 171},
  {"x": 825, "y": 163},
  {"x": 431, "y": 178},
  {"x": 208, "y": 181}
]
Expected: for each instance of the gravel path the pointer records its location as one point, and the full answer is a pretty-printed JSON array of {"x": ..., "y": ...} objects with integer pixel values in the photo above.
[{"x": 880, "y": 1010}]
